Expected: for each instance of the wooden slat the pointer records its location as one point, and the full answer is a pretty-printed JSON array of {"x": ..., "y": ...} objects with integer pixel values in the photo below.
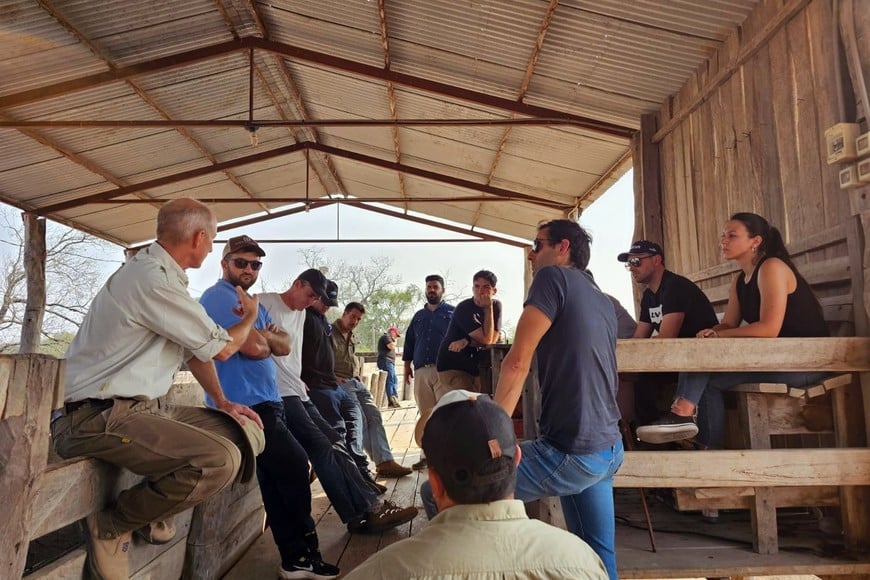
[
  {"x": 740, "y": 497},
  {"x": 742, "y": 468},
  {"x": 769, "y": 388},
  {"x": 743, "y": 354}
]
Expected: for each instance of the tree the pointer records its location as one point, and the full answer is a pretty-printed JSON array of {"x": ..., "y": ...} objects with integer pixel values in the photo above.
[
  {"x": 375, "y": 286},
  {"x": 74, "y": 270}
]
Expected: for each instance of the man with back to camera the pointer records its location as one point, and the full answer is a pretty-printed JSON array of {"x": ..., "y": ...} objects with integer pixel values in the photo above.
[
  {"x": 422, "y": 341},
  {"x": 570, "y": 325},
  {"x": 672, "y": 306},
  {"x": 387, "y": 362},
  {"x": 481, "y": 531},
  {"x": 476, "y": 323},
  {"x": 140, "y": 327},
  {"x": 348, "y": 371},
  {"x": 282, "y": 468}
]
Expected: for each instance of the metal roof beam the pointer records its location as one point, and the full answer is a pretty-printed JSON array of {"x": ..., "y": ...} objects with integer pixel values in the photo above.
[
  {"x": 303, "y": 54},
  {"x": 440, "y": 177}
]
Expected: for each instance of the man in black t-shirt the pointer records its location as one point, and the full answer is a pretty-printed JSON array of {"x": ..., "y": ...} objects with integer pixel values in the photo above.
[
  {"x": 476, "y": 323},
  {"x": 672, "y": 306}
]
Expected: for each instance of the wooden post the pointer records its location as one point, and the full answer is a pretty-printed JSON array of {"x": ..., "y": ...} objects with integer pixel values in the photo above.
[
  {"x": 29, "y": 384},
  {"x": 34, "y": 266},
  {"x": 647, "y": 182}
]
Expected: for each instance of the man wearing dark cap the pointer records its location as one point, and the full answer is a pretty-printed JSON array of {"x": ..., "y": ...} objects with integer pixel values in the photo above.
[
  {"x": 672, "y": 306},
  {"x": 387, "y": 362},
  {"x": 481, "y": 531},
  {"x": 249, "y": 375}
]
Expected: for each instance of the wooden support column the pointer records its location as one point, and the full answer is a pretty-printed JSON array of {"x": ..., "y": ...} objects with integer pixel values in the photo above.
[
  {"x": 34, "y": 267},
  {"x": 647, "y": 182},
  {"x": 29, "y": 385}
]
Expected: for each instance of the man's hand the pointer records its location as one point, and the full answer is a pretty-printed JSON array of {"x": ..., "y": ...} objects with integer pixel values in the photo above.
[
  {"x": 239, "y": 412},
  {"x": 483, "y": 300},
  {"x": 247, "y": 308},
  {"x": 458, "y": 345},
  {"x": 409, "y": 374}
]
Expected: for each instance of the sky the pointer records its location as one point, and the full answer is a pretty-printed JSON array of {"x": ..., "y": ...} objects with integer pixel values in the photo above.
[{"x": 610, "y": 221}]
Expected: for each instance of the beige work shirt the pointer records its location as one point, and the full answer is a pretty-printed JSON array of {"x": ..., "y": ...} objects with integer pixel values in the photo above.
[
  {"x": 347, "y": 364},
  {"x": 492, "y": 541},
  {"x": 141, "y": 325}
]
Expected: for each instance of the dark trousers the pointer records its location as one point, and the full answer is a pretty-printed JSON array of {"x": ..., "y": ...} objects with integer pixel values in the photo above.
[
  {"x": 343, "y": 413},
  {"x": 282, "y": 471},
  {"x": 349, "y": 493}
]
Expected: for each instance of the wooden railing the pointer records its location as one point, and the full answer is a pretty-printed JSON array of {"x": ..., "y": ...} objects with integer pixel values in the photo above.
[{"x": 40, "y": 494}]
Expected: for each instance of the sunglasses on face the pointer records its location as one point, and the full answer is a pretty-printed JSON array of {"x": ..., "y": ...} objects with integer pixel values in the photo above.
[
  {"x": 635, "y": 262},
  {"x": 242, "y": 263},
  {"x": 538, "y": 243}
]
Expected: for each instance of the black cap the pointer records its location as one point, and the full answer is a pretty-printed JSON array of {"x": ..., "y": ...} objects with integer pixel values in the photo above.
[
  {"x": 331, "y": 293},
  {"x": 317, "y": 281},
  {"x": 465, "y": 432},
  {"x": 242, "y": 243},
  {"x": 642, "y": 247}
]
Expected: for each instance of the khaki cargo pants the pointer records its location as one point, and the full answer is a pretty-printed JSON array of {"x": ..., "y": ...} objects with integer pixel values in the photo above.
[{"x": 187, "y": 454}]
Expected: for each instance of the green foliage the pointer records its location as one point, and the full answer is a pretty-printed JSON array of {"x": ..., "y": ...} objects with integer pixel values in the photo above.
[{"x": 386, "y": 307}]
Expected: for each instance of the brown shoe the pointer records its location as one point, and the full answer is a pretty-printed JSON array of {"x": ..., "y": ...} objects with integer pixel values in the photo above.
[
  {"x": 387, "y": 517},
  {"x": 157, "y": 533},
  {"x": 107, "y": 556},
  {"x": 392, "y": 469},
  {"x": 394, "y": 402},
  {"x": 420, "y": 465}
]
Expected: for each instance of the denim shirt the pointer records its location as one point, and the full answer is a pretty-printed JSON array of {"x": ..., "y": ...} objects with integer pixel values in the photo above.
[{"x": 425, "y": 333}]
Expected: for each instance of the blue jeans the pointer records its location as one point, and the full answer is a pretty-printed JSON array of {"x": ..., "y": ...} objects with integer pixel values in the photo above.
[
  {"x": 392, "y": 379},
  {"x": 344, "y": 486},
  {"x": 282, "y": 472},
  {"x": 343, "y": 413},
  {"x": 374, "y": 436},
  {"x": 710, "y": 405},
  {"x": 583, "y": 483}
]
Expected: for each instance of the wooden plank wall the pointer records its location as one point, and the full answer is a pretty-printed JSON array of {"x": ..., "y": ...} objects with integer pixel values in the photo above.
[{"x": 757, "y": 142}]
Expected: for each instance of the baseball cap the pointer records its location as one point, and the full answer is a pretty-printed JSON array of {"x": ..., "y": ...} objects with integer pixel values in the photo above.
[
  {"x": 240, "y": 243},
  {"x": 331, "y": 293},
  {"x": 317, "y": 281},
  {"x": 642, "y": 247},
  {"x": 464, "y": 433},
  {"x": 254, "y": 444},
  {"x": 396, "y": 328}
]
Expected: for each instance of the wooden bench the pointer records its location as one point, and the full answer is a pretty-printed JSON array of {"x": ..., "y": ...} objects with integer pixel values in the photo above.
[
  {"x": 770, "y": 409},
  {"x": 42, "y": 494}
]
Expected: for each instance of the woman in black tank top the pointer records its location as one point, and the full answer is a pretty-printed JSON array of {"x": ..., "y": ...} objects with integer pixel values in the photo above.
[{"x": 768, "y": 298}]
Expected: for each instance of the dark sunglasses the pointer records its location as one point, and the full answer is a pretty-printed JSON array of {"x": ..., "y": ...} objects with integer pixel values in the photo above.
[
  {"x": 537, "y": 243},
  {"x": 242, "y": 263},
  {"x": 635, "y": 262}
]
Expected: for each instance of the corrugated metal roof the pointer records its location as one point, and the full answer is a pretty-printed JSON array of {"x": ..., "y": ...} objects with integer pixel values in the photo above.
[{"x": 608, "y": 60}]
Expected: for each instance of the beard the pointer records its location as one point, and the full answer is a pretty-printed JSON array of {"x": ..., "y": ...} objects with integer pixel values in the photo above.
[
  {"x": 238, "y": 281},
  {"x": 433, "y": 299}
]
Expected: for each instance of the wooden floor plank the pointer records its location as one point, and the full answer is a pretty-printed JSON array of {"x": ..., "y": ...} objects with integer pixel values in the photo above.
[{"x": 687, "y": 547}]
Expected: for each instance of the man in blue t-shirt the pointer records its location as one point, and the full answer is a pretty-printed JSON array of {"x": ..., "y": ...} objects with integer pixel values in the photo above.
[
  {"x": 249, "y": 376},
  {"x": 571, "y": 326},
  {"x": 476, "y": 323}
]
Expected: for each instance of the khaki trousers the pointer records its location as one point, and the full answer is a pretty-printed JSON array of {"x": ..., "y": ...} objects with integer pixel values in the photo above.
[
  {"x": 187, "y": 454},
  {"x": 452, "y": 380}
]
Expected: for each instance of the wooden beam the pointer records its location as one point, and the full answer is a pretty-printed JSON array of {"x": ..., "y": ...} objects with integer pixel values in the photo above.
[
  {"x": 647, "y": 183},
  {"x": 745, "y": 468},
  {"x": 34, "y": 267},
  {"x": 743, "y": 354},
  {"x": 749, "y": 49}
]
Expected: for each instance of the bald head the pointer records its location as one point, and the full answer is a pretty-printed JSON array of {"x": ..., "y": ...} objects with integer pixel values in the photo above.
[{"x": 182, "y": 218}]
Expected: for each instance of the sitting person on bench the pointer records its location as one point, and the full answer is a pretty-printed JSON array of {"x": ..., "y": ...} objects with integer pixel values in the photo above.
[{"x": 774, "y": 300}]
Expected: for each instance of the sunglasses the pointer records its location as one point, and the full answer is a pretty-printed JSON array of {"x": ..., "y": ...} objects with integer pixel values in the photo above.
[
  {"x": 537, "y": 243},
  {"x": 242, "y": 263},
  {"x": 635, "y": 262}
]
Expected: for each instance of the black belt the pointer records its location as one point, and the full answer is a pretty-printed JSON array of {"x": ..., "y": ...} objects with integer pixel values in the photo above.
[{"x": 100, "y": 403}]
